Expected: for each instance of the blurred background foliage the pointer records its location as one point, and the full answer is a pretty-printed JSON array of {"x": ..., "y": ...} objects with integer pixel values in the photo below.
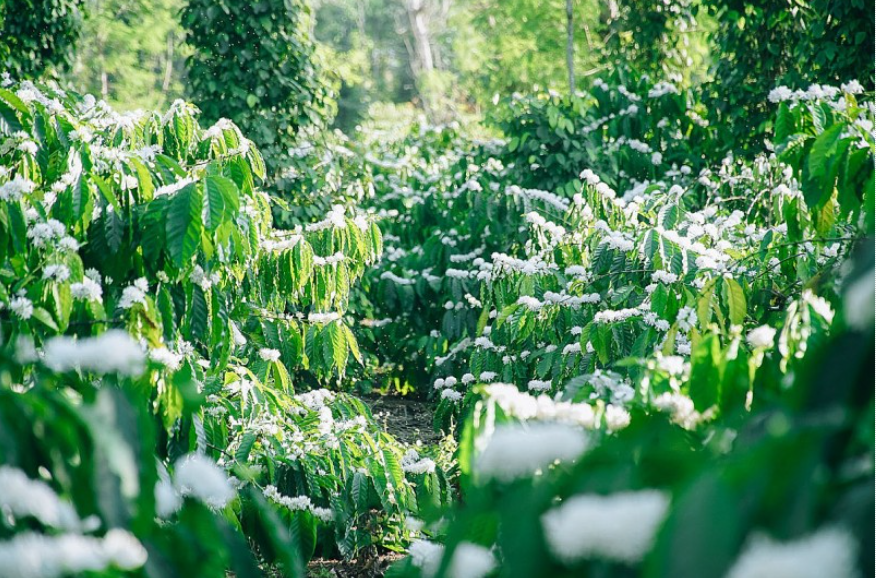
[
  {"x": 447, "y": 58},
  {"x": 131, "y": 53}
]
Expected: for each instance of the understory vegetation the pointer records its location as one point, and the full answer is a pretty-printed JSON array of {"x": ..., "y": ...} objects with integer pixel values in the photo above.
[{"x": 644, "y": 322}]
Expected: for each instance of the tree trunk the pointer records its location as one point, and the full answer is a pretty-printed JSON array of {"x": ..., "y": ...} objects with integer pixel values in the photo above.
[
  {"x": 419, "y": 21},
  {"x": 168, "y": 64},
  {"x": 570, "y": 46}
]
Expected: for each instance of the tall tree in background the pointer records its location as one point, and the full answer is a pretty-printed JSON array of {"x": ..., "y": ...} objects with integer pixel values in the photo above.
[
  {"x": 426, "y": 21},
  {"x": 38, "y": 35},
  {"x": 420, "y": 18},
  {"x": 506, "y": 46},
  {"x": 366, "y": 54},
  {"x": 651, "y": 37},
  {"x": 253, "y": 62}
]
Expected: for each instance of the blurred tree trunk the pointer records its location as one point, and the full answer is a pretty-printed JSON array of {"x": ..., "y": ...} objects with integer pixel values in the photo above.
[
  {"x": 570, "y": 46},
  {"x": 426, "y": 20},
  {"x": 613, "y": 9},
  {"x": 418, "y": 17},
  {"x": 168, "y": 64}
]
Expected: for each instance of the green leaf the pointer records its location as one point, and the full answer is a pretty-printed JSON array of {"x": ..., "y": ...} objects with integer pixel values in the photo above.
[
  {"x": 504, "y": 314},
  {"x": 113, "y": 230},
  {"x": 823, "y": 148},
  {"x": 660, "y": 300},
  {"x": 171, "y": 165},
  {"x": 668, "y": 216},
  {"x": 147, "y": 188},
  {"x": 359, "y": 491},
  {"x": 214, "y": 213},
  {"x": 198, "y": 315},
  {"x": 690, "y": 544},
  {"x": 339, "y": 346},
  {"x": 184, "y": 224},
  {"x": 302, "y": 258},
  {"x": 705, "y": 375},
  {"x": 784, "y": 123},
  {"x": 651, "y": 244},
  {"x": 9, "y": 122},
  {"x": 704, "y": 305},
  {"x": 328, "y": 346},
  {"x": 81, "y": 195},
  {"x": 735, "y": 300},
  {"x": 352, "y": 344},
  {"x": 303, "y": 529},
  {"x": 393, "y": 469},
  {"x": 221, "y": 200},
  {"x": 246, "y": 443},
  {"x": 825, "y": 217},
  {"x": 45, "y": 318},
  {"x": 107, "y": 192},
  {"x": 256, "y": 162}
]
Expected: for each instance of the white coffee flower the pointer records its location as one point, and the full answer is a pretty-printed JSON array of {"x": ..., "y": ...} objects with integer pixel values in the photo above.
[
  {"x": 762, "y": 338},
  {"x": 619, "y": 527}
]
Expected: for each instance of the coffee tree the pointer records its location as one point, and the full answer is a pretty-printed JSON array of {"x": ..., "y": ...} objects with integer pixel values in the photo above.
[{"x": 158, "y": 339}]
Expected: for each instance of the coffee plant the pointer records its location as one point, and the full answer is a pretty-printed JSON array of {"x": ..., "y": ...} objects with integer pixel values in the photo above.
[
  {"x": 694, "y": 307},
  {"x": 164, "y": 352}
]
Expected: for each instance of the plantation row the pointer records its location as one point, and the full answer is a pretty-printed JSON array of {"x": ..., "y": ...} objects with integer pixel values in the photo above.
[
  {"x": 680, "y": 312},
  {"x": 654, "y": 356},
  {"x": 199, "y": 331}
]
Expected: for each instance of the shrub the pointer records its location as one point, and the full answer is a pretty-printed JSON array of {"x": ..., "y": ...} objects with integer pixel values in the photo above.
[{"x": 158, "y": 339}]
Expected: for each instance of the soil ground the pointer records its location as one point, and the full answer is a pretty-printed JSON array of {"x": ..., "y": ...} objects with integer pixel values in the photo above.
[
  {"x": 408, "y": 420},
  {"x": 352, "y": 568}
]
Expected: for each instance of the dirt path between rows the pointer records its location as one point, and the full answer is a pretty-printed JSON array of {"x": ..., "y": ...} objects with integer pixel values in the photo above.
[{"x": 408, "y": 420}]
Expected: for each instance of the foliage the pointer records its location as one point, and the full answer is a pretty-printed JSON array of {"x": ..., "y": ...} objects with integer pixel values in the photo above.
[
  {"x": 653, "y": 38},
  {"x": 130, "y": 53},
  {"x": 468, "y": 200},
  {"x": 761, "y": 45},
  {"x": 647, "y": 128},
  {"x": 829, "y": 147},
  {"x": 254, "y": 63},
  {"x": 321, "y": 172},
  {"x": 727, "y": 484},
  {"x": 503, "y": 47},
  {"x": 365, "y": 53},
  {"x": 685, "y": 302},
  {"x": 150, "y": 224},
  {"x": 38, "y": 36},
  {"x": 643, "y": 311}
]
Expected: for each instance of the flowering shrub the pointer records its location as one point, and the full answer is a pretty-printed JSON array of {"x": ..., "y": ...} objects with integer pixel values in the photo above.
[
  {"x": 655, "y": 498},
  {"x": 159, "y": 341},
  {"x": 326, "y": 170},
  {"x": 602, "y": 266},
  {"x": 660, "y": 321},
  {"x": 631, "y": 134}
]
